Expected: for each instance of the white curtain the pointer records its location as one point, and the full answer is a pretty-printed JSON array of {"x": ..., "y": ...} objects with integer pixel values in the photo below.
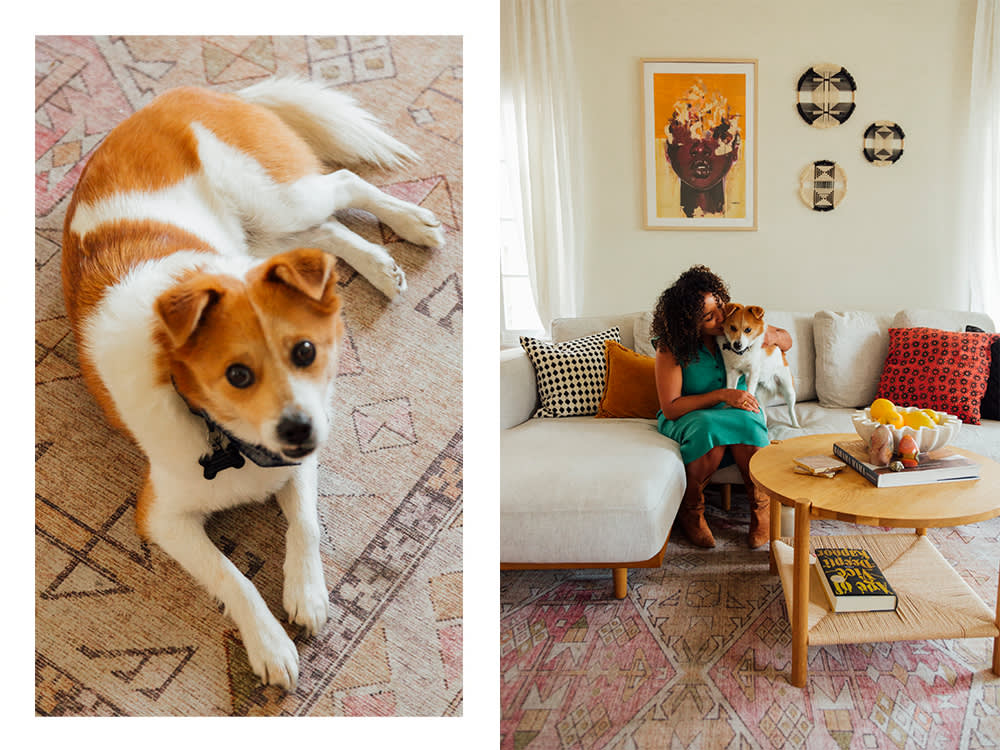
[
  {"x": 983, "y": 189},
  {"x": 540, "y": 106}
]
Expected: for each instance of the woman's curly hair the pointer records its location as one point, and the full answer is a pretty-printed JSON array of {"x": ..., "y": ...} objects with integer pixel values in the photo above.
[{"x": 680, "y": 308}]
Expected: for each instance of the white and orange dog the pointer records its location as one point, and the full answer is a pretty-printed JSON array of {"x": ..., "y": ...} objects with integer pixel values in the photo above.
[
  {"x": 198, "y": 273},
  {"x": 765, "y": 367}
]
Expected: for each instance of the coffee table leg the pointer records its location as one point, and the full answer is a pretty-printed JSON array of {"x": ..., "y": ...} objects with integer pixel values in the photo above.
[
  {"x": 775, "y": 532},
  {"x": 800, "y": 595},
  {"x": 996, "y": 641}
]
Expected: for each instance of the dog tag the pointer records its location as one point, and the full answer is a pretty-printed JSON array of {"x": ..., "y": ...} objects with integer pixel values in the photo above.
[{"x": 223, "y": 458}]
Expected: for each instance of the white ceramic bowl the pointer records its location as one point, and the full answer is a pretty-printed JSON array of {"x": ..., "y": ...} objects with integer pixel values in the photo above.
[{"x": 928, "y": 438}]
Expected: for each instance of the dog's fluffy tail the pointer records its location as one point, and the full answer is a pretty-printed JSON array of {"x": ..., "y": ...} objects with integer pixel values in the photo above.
[{"x": 331, "y": 122}]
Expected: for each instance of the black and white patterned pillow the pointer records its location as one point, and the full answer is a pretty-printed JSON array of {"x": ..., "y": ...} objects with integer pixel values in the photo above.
[{"x": 570, "y": 374}]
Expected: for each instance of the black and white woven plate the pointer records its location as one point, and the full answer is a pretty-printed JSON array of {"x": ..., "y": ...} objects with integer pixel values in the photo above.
[
  {"x": 826, "y": 95},
  {"x": 822, "y": 185},
  {"x": 883, "y": 143}
]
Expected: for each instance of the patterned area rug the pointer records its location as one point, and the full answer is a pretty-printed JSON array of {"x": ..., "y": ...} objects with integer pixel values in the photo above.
[
  {"x": 698, "y": 656},
  {"x": 120, "y": 627}
]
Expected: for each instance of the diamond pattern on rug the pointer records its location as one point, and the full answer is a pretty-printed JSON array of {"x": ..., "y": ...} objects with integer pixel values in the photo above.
[
  {"x": 352, "y": 59},
  {"x": 387, "y": 424},
  {"x": 228, "y": 59},
  {"x": 583, "y": 660}
]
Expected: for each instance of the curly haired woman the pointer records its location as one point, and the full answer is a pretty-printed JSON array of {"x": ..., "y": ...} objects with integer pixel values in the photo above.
[{"x": 714, "y": 425}]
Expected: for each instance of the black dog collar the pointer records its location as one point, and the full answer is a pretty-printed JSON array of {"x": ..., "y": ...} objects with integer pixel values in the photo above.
[{"x": 227, "y": 450}]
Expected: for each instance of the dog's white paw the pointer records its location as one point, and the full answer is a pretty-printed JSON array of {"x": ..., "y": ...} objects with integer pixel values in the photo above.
[
  {"x": 306, "y": 603},
  {"x": 272, "y": 654},
  {"x": 421, "y": 227},
  {"x": 388, "y": 278}
]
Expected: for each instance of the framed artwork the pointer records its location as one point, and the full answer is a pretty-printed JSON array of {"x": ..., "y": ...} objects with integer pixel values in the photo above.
[{"x": 699, "y": 144}]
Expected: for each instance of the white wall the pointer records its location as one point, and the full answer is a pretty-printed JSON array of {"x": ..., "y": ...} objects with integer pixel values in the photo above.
[{"x": 894, "y": 240}]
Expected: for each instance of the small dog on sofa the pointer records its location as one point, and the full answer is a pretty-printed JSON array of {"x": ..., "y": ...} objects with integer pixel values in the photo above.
[
  {"x": 198, "y": 273},
  {"x": 743, "y": 351}
]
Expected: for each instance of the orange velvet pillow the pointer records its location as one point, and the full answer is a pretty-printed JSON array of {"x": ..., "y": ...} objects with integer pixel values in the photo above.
[{"x": 630, "y": 386}]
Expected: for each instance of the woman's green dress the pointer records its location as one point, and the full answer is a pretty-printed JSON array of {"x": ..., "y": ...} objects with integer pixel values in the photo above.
[{"x": 699, "y": 431}]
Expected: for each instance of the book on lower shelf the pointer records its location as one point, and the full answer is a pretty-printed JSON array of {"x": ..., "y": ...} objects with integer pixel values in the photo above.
[
  {"x": 942, "y": 465},
  {"x": 853, "y": 582}
]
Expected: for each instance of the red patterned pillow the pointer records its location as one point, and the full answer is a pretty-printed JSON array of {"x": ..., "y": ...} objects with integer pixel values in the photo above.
[{"x": 941, "y": 370}]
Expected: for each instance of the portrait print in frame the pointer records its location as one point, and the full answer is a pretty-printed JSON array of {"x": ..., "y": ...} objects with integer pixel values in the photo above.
[{"x": 699, "y": 144}]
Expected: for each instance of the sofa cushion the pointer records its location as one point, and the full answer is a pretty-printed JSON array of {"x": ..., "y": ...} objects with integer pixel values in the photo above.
[
  {"x": 582, "y": 490},
  {"x": 983, "y": 439},
  {"x": 570, "y": 374},
  {"x": 565, "y": 329},
  {"x": 642, "y": 334},
  {"x": 802, "y": 356},
  {"x": 630, "y": 386},
  {"x": 942, "y": 370},
  {"x": 850, "y": 352}
]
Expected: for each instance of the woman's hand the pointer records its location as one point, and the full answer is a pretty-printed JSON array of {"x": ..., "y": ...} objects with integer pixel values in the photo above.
[
  {"x": 774, "y": 336},
  {"x": 738, "y": 399}
]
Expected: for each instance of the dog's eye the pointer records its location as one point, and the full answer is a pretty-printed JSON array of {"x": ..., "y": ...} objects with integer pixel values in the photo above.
[
  {"x": 239, "y": 376},
  {"x": 732, "y": 328},
  {"x": 303, "y": 354},
  {"x": 746, "y": 330}
]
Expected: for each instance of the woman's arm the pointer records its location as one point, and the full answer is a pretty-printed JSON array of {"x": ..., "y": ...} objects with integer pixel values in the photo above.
[
  {"x": 669, "y": 378},
  {"x": 779, "y": 336}
]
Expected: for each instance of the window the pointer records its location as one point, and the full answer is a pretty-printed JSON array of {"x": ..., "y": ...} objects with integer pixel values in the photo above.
[{"x": 518, "y": 314}]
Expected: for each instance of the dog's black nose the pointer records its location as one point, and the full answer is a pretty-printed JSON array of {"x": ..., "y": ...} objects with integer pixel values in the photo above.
[{"x": 295, "y": 429}]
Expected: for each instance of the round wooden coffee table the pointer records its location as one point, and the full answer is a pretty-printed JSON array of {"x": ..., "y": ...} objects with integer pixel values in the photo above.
[{"x": 933, "y": 600}]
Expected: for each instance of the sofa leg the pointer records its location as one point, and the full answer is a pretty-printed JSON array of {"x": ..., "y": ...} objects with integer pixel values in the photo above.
[
  {"x": 621, "y": 582},
  {"x": 727, "y": 497}
]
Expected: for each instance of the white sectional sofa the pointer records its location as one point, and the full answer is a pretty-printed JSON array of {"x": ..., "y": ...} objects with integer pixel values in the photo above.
[{"x": 603, "y": 493}]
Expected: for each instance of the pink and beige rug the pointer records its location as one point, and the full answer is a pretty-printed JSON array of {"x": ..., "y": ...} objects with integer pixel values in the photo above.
[
  {"x": 698, "y": 656},
  {"x": 120, "y": 629}
]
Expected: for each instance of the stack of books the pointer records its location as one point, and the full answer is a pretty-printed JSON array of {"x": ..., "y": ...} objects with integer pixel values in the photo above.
[
  {"x": 818, "y": 466},
  {"x": 943, "y": 465}
]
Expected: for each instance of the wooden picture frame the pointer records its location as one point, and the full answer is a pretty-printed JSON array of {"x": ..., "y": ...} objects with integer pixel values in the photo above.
[{"x": 699, "y": 144}]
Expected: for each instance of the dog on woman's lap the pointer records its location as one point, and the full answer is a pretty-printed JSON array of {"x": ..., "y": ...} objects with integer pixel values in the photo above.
[{"x": 744, "y": 353}]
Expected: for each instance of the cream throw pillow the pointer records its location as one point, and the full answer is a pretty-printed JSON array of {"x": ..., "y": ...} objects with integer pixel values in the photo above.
[{"x": 850, "y": 350}]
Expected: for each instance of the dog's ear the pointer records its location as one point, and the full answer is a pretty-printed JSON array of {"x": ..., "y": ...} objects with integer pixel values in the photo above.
[
  {"x": 728, "y": 308},
  {"x": 183, "y": 308},
  {"x": 307, "y": 271},
  {"x": 756, "y": 311}
]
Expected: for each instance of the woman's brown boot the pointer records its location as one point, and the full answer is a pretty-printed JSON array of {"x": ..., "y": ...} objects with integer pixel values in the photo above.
[
  {"x": 691, "y": 516},
  {"x": 760, "y": 518}
]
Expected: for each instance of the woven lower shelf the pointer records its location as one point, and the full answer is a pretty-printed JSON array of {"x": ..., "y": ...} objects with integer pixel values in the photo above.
[{"x": 934, "y": 601}]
